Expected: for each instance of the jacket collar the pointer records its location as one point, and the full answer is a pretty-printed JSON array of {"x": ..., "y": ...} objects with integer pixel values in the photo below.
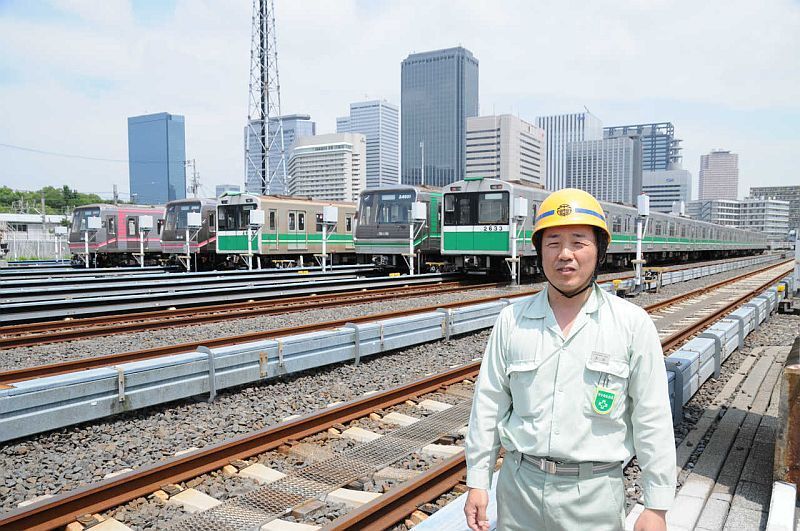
[{"x": 539, "y": 305}]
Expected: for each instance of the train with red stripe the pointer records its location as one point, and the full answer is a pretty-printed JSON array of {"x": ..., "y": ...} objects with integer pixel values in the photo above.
[
  {"x": 194, "y": 219},
  {"x": 111, "y": 234}
]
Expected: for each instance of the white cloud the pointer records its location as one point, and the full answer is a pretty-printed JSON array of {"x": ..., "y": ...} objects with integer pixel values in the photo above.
[{"x": 80, "y": 81}]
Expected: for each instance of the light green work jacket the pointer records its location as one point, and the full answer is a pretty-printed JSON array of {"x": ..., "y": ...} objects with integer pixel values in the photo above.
[{"x": 599, "y": 394}]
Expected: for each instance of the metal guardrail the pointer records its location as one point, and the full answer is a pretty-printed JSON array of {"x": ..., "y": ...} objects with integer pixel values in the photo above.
[{"x": 42, "y": 404}]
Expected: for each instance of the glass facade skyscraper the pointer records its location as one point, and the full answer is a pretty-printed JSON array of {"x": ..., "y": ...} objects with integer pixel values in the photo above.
[
  {"x": 294, "y": 125},
  {"x": 378, "y": 121},
  {"x": 609, "y": 169},
  {"x": 439, "y": 90},
  {"x": 660, "y": 149},
  {"x": 560, "y": 130},
  {"x": 156, "y": 158}
]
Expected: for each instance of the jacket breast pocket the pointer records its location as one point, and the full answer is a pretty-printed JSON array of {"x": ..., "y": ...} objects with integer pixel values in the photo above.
[
  {"x": 606, "y": 386},
  {"x": 522, "y": 381}
]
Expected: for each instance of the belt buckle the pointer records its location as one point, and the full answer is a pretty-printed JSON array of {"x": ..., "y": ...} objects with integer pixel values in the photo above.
[{"x": 547, "y": 466}]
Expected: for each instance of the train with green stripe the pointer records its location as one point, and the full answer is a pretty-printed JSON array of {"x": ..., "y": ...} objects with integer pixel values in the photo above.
[
  {"x": 477, "y": 220},
  {"x": 291, "y": 234},
  {"x": 382, "y": 234}
]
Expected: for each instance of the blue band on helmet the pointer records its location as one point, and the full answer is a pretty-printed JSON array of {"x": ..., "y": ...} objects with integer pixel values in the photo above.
[
  {"x": 590, "y": 212},
  {"x": 544, "y": 215}
]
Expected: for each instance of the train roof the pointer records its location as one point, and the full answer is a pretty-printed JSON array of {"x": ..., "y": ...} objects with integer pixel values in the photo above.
[
  {"x": 202, "y": 200},
  {"x": 124, "y": 206},
  {"x": 284, "y": 199}
]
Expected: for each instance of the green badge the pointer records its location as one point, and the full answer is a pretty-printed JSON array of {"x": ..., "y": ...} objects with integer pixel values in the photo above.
[{"x": 603, "y": 400}]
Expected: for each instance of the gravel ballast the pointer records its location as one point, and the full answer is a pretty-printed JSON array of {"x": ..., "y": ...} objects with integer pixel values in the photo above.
[
  {"x": 59, "y": 352},
  {"x": 61, "y": 460}
]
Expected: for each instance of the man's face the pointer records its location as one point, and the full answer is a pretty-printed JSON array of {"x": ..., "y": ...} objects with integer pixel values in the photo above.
[{"x": 569, "y": 256}]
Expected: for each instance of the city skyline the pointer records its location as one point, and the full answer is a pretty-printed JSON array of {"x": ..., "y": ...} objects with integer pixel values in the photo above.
[{"x": 131, "y": 59}]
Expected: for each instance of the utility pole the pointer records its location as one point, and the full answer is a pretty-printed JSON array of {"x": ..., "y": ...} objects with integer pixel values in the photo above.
[
  {"x": 264, "y": 106},
  {"x": 194, "y": 184},
  {"x": 116, "y": 195}
]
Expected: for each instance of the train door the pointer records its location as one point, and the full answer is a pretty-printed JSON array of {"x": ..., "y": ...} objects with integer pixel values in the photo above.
[
  {"x": 271, "y": 229},
  {"x": 297, "y": 230},
  {"x": 132, "y": 229},
  {"x": 348, "y": 230}
]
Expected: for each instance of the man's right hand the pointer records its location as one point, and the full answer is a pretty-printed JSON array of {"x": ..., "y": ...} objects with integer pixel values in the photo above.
[{"x": 475, "y": 510}]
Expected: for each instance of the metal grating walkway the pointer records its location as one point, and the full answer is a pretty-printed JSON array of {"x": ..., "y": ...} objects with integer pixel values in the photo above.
[{"x": 252, "y": 510}]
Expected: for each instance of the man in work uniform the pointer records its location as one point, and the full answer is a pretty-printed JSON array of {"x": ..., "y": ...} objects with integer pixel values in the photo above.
[{"x": 572, "y": 384}]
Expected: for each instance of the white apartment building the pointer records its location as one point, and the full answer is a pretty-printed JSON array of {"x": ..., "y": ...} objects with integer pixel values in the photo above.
[
  {"x": 770, "y": 216},
  {"x": 667, "y": 187},
  {"x": 560, "y": 130},
  {"x": 507, "y": 148},
  {"x": 719, "y": 175},
  {"x": 330, "y": 167},
  {"x": 609, "y": 169}
]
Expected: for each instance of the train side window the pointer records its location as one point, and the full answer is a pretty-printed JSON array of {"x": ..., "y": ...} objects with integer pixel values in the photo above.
[
  {"x": 272, "y": 219},
  {"x": 348, "y": 224},
  {"x": 212, "y": 227},
  {"x": 112, "y": 225},
  {"x": 616, "y": 223},
  {"x": 301, "y": 221},
  {"x": 159, "y": 226},
  {"x": 291, "y": 221},
  {"x": 658, "y": 228},
  {"x": 132, "y": 226},
  {"x": 672, "y": 228},
  {"x": 319, "y": 222}
]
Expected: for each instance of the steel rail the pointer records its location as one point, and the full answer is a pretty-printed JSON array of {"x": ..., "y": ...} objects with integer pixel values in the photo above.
[
  {"x": 63, "y": 509},
  {"x": 396, "y": 504},
  {"x": 399, "y": 502},
  {"x": 60, "y": 331},
  {"x": 27, "y": 373}
]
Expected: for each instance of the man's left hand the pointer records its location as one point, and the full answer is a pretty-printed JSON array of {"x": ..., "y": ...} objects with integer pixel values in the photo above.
[{"x": 651, "y": 520}]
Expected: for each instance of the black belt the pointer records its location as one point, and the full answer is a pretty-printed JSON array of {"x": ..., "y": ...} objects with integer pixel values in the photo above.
[{"x": 567, "y": 469}]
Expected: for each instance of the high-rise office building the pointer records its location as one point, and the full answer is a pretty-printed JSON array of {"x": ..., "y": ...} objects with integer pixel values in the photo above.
[
  {"x": 660, "y": 149},
  {"x": 222, "y": 188},
  {"x": 784, "y": 193},
  {"x": 667, "y": 187},
  {"x": 439, "y": 91},
  {"x": 719, "y": 175},
  {"x": 560, "y": 130},
  {"x": 610, "y": 169},
  {"x": 294, "y": 125},
  {"x": 329, "y": 167},
  {"x": 505, "y": 147},
  {"x": 378, "y": 121},
  {"x": 156, "y": 158}
]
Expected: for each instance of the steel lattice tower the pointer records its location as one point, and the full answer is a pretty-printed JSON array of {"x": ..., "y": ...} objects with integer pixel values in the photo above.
[{"x": 261, "y": 138}]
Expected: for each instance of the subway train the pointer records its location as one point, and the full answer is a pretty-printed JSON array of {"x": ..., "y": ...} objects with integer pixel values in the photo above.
[
  {"x": 475, "y": 219},
  {"x": 202, "y": 249},
  {"x": 290, "y": 236},
  {"x": 116, "y": 241},
  {"x": 382, "y": 230}
]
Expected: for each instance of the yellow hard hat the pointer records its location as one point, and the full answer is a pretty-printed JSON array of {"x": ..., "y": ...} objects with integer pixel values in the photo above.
[{"x": 570, "y": 206}]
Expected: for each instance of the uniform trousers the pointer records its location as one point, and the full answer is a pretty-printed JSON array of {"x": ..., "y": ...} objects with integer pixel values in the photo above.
[{"x": 532, "y": 500}]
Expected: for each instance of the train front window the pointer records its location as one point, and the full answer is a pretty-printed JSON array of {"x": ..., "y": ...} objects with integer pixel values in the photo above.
[
  {"x": 177, "y": 215},
  {"x": 385, "y": 208},
  {"x": 80, "y": 218},
  {"x": 476, "y": 208},
  {"x": 234, "y": 217},
  {"x": 493, "y": 208}
]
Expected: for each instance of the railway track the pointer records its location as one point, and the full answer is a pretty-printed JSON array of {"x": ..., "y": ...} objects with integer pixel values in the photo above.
[
  {"x": 31, "y": 334},
  {"x": 8, "y": 377},
  {"x": 385, "y": 510}
]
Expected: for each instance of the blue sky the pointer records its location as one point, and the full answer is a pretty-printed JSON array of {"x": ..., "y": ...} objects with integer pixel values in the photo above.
[{"x": 72, "y": 71}]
